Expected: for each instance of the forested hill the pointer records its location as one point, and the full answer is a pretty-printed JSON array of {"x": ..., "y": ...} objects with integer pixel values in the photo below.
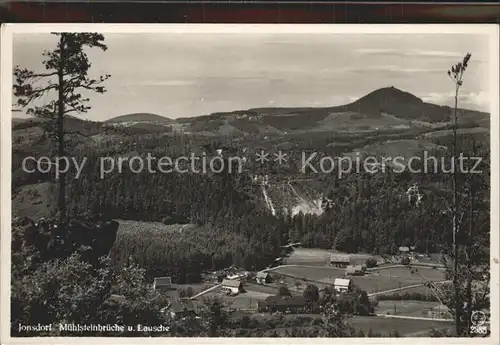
[
  {"x": 384, "y": 108},
  {"x": 139, "y": 117}
]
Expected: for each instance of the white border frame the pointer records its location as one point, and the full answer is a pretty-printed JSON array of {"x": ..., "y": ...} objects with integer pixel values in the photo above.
[{"x": 6, "y": 40}]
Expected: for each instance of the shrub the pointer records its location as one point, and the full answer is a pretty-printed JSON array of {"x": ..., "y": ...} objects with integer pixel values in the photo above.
[{"x": 371, "y": 262}]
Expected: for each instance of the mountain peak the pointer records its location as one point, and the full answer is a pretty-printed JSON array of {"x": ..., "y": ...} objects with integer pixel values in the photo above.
[
  {"x": 139, "y": 117},
  {"x": 383, "y": 95},
  {"x": 389, "y": 100}
]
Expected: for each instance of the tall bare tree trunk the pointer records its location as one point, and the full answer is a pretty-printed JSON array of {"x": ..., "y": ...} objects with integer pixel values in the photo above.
[
  {"x": 61, "y": 199},
  {"x": 469, "y": 259},
  {"x": 470, "y": 273},
  {"x": 455, "y": 225}
]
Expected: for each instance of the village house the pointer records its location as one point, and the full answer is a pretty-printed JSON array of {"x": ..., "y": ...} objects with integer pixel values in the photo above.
[
  {"x": 342, "y": 285},
  {"x": 340, "y": 260},
  {"x": 117, "y": 298},
  {"x": 181, "y": 308},
  {"x": 355, "y": 270},
  {"x": 172, "y": 295},
  {"x": 263, "y": 278},
  {"x": 218, "y": 276},
  {"x": 290, "y": 304},
  {"x": 163, "y": 284},
  {"x": 232, "y": 286},
  {"x": 404, "y": 250}
]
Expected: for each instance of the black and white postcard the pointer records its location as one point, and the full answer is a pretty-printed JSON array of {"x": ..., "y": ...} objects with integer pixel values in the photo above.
[{"x": 249, "y": 181}]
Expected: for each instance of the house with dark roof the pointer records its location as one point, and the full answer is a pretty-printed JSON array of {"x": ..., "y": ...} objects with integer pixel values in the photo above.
[
  {"x": 289, "y": 304},
  {"x": 263, "y": 278},
  {"x": 232, "y": 286},
  {"x": 355, "y": 270},
  {"x": 181, "y": 308},
  {"x": 340, "y": 260},
  {"x": 162, "y": 284}
]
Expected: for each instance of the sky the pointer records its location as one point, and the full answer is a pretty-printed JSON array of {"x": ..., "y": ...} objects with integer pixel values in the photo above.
[{"x": 183, "y": 75}]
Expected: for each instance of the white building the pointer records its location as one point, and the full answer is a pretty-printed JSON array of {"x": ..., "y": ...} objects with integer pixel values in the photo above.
[
  {"x": 342, "y": 285},
  {"x": 162, "y": 283},
  {"x": 262, "y": 278},
  {"x": 232, "y": 286}
]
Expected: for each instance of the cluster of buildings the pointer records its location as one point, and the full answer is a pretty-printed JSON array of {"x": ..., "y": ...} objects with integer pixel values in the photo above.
[
  {"x": 344, "y": 261},
  {"x": 230, "y": 273},
  {"x": 178, "y": 307},
  {"x": 405, "y": 252}
]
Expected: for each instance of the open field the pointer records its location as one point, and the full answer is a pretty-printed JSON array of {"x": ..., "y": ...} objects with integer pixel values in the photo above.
[
  {"x": 309, "y": 272},
  {"x": 420, "y": 289},
  {"x": 375, "y": 281},
  {"x": 446, "y": 132},
  {"x": 403, "y": 327},
  {"x": 404, "y": 273},
  {"x": 405, "y": 308},
  {"x": 321, "y": 257},
  {"x": 377, "y": 324},
  {"x": 403, "y": 148}
]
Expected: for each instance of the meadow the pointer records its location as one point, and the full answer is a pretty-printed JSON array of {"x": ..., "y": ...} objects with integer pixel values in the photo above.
[
  {"x": 321, "y": 257},
  {"x": 404, "y": 327},
  {"x": 373, "y": 282}
]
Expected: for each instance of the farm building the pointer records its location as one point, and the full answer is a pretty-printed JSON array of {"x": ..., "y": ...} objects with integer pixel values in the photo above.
[
  {"x": 291, "y": 304},
  {"x": 172, "y": 295},
  {"x": 162, "y": 284},
  {"x": 339, "y": 260},
  {"x": 182, "y": 308},
  {"x": 219, "y": 276},
  {"x": 342, "y": 285},
  {"x": 263, "y": 278},
  {"x": 355, "y": 270},
  {"x": 117, "y": 298},
  {"x": 404, "y": 250},
  {"x": 232, "y": 286}
]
